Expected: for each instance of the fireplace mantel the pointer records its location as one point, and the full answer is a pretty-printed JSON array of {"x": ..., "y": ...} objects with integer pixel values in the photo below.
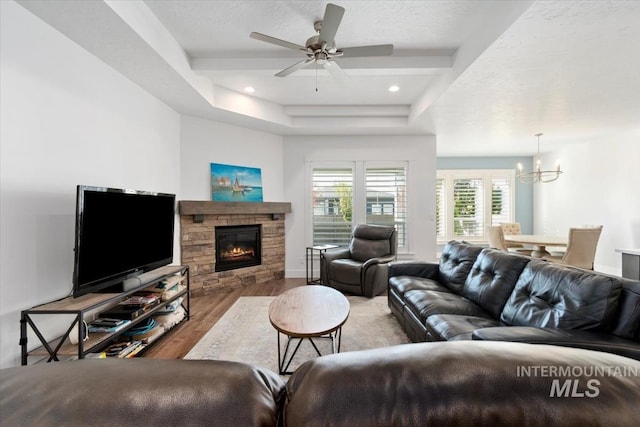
[{"x": 197, "y": 208}]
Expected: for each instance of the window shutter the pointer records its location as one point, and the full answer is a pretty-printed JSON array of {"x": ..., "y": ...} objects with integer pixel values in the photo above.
[
  {"x": 332, "y": 205},
  {"x": 387, "y": 199},
  {"x": 440, "y": 209},
  {"x": 469, "y": 199},
  {"x": 468, "y": 208},
  {"x": 500, "y": 201}
]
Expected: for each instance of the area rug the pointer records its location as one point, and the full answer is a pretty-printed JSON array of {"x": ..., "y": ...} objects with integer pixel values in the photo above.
[{"x": 244, "y": 333}]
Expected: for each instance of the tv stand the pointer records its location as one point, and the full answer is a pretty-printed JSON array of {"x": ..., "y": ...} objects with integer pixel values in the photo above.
[{"x": 88, "y": 304}]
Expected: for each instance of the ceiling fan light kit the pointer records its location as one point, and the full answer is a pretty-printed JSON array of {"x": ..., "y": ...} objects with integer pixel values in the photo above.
[
  {"x": 321, "y": 48},
  {"x": 538, "y": 174}
]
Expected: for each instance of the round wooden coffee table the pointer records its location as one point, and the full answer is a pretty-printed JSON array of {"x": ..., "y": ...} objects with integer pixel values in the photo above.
[{"x": 308, "y": 312}]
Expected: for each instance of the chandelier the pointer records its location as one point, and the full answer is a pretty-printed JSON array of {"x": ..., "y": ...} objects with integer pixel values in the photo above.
[{"x": 538, "y": 175}]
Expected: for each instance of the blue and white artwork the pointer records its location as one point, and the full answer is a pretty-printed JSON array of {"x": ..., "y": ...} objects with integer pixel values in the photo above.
[{"x": 230, "y": 183}]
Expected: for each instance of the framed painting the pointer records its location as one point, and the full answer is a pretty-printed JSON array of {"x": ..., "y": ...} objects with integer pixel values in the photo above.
[{"x": 230, "y": 183}]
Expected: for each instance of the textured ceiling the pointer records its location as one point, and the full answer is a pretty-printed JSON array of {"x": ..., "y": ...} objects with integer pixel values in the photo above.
[
  {"x": 484, "y": 76},
  {"x": 209, "y": 28}
]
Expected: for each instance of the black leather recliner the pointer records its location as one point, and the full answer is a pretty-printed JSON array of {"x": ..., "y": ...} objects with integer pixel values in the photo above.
[{"x": 361, "y": 268}]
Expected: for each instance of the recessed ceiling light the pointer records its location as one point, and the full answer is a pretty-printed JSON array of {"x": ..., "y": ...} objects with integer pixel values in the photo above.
[
  {"x": 249, "y": 89},
  {"x": 394, "y": 88}
]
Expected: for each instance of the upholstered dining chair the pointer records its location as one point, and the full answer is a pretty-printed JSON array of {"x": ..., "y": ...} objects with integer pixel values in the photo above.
[
  {"x": 361, "y": 268},
  {"x": 581, "y": 248},
  {"x": 511, "y": 228},
  {"x": 495, "y": 236}
]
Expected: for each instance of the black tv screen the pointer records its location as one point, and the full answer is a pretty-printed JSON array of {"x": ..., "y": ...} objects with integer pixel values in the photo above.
[{"x": 120, "y": 233}]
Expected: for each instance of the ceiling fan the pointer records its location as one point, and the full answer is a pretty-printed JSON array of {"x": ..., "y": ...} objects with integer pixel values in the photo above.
[{"x": 322, "y": 49}]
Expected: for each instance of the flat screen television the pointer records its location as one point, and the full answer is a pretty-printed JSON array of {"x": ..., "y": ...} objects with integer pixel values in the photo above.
[{"x": 120, "y": 234}]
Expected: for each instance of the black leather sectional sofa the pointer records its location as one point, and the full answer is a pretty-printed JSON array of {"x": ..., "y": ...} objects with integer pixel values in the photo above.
[
  {"x": 469, "y": 383},
  {"x": 477, "y": 293}
]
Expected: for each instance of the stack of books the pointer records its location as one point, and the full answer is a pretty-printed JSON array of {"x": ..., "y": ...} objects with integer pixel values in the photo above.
[
  {"x": 168, "y": 287},
  {"x": 106, "y": 324},
  {"x": 133, "y": 306},
  {"x": 142, "y": 298},
  {"x": 124, "y": 350}
]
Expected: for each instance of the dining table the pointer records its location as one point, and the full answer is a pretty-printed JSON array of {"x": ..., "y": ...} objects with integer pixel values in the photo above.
[{"x": 538, "y": 241}]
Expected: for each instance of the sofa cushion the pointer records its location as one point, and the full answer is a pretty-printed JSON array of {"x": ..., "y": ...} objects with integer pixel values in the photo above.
[
  {"x": 627, "y": 316},
  {"x": 492, "y": 279},
  {"x": 470, "y": 383},
  {"x": 427, "y": 270},
  {"x": 362, "y": 249},
  {"x": 452, "y": 327},
  {"x": 119, "y": 392},
  {"x": 415, "y": 327},
  {"x": 590, "y": 340},
  {"x": 346, "y": 271},
  {"x": 373, "y": 231},
  {"x": 456, "y": 261},
  {"x": 426, "y": 303},
  {"x": 553, "y": 296},
  {"x": 401, "y": 284},
  {"x": 370, "y": 241}
]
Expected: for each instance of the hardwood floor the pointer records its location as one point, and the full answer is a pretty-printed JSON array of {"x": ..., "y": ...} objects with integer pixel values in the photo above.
[{"x": 205, "y": 312}]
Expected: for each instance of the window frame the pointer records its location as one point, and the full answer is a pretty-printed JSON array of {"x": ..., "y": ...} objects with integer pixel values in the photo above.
[{"x": 487, "y": 176}]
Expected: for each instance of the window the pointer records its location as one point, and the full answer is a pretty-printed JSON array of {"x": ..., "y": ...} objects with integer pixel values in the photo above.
[
  {"x": 387, "y": 199},
  {"x": 441, "y": 201},
  {"x": 332, "y": 205},
  {"x": 501, "y": 196},
  {"x": 469, "y": 200},
  {"x": 468, "y": 214},
  {"x": 363, "y": 192}
]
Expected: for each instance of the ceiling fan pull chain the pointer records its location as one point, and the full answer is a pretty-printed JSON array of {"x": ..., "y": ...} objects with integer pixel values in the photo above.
[{"x": 316, "y": 76}]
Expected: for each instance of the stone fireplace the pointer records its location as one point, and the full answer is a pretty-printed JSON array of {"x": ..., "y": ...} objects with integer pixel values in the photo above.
[{"x": 199, "y": 249}]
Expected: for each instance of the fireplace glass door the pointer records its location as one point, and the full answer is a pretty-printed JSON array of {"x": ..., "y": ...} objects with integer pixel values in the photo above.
[{"x": 237, "y": 246}]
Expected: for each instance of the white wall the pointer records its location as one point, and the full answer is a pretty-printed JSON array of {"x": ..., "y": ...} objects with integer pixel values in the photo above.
[
  {"x": 420, "y": 151},
  {"x": 66, "y": 119},
  {"x": 205, "y": 142},
  {"x": 600, "y": 185}
]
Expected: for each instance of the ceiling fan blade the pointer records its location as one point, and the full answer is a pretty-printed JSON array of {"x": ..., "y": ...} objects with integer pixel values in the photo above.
[
  {"x": 295, "y": 67},
  {"x": 330, "y": 23},
  {"x": 273, "y": 40},
  {"x": 336, "y": 72},
  {"x": 377, "y": 50}
]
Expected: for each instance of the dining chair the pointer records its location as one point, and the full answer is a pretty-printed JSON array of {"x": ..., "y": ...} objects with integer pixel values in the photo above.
[
  {"x": 581, "y": 248},
  {"x": 511, "y": 228},
  {"x": 495, "y": 236}
]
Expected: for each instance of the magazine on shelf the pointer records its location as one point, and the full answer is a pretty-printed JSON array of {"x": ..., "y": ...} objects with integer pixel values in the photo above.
[
  {"x": 166, "y": 284},
  {"x": 135, "y": 351},
  {"x": 122, "y": 349},
  {"x": 99, "y": 325},
  {"x": 159, "y": 331},
  {"x": 126, "y": 311},
  {"x": 141, "y": 298}
]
